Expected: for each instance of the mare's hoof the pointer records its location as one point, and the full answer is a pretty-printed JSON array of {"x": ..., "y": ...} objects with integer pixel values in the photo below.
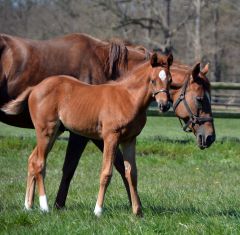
[{"x": 59, "y": 207}]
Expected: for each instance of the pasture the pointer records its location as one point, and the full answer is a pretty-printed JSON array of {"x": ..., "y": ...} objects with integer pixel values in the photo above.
[{"x": 183, "y": 189}]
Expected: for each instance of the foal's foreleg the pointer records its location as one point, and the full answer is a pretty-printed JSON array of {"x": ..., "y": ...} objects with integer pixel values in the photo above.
[
  {"x": 119, "y": 165},
  {"x": 131, "y": 174},
  {"x": 110, "y": 145}
]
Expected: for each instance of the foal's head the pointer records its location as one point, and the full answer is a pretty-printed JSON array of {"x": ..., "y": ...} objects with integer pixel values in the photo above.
[
  {"x": 192, "y": 103},
  {"x": 161, "y": 79}
]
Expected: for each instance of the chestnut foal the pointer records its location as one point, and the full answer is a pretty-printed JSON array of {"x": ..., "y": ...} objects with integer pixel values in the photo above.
[{"x": 114, "y": 112}]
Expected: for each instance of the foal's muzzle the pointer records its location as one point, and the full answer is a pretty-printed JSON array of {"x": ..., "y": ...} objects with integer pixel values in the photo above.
[{"x": 163, "y": 105}]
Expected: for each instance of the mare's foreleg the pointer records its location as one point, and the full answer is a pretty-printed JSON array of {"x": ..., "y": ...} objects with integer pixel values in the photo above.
[
  {"x": 75, "y": 148},
  {"x": 131, "y": 174},
  {"x": 110, "y": 146},
  {"x": 119, "y": 165}
]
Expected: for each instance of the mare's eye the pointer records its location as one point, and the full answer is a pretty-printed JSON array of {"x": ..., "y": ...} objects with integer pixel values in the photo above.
[
  {"x": 199, "y": 102},
  {"x": 199, "y": 99}
]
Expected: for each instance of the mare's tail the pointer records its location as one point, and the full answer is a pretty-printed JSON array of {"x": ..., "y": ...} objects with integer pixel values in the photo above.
[{"x": 18, "y": 105}]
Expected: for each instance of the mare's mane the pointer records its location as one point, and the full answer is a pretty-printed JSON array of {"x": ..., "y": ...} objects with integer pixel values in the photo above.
[{"x": 117, "y": 59}]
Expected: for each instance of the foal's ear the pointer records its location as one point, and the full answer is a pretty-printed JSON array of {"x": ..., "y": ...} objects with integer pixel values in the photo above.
[
  {"x": 205, "y": 69},
  {"x": 154, "y": 60},
  {"x": 170, "y": 59},
  {"x": 196, "y": 71}
]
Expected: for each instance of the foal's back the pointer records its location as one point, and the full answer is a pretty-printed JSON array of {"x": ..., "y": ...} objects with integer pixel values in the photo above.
[{"x": 80, "y": 107}]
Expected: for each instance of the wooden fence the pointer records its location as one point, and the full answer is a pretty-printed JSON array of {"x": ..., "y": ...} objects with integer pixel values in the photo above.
[{"x": 225, "y": 101}]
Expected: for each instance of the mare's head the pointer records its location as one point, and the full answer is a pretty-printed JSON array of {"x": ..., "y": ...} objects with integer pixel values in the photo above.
[
  {"x": 161, "y": 79},
  {"x": 192, "y": 104}
]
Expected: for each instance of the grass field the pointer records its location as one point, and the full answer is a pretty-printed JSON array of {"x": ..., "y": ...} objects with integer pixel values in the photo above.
[{"x": 183, "y": 190}]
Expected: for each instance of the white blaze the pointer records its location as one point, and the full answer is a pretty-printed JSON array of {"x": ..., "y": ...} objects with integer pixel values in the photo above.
[{"x": 162, "y": 75}]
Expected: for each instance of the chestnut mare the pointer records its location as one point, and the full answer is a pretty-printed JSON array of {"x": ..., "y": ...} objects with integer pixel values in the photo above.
[
  {"x": 113, "y": 112},
  {"x": 18, "y": 71}
]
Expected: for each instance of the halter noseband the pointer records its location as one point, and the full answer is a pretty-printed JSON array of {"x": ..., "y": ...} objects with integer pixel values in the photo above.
[
  {"x": 154, "y": 93},
  {"x": 193, "y": 119}
]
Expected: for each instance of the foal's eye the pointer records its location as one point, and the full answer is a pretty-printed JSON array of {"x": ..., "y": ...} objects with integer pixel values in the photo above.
[{"x": 153, "y": 82}]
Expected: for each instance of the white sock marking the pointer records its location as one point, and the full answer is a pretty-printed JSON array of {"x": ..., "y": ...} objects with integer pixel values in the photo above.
[
  {"x": 98, "y": 210},
  {"x": 26, "y": 205},
  {"x": 43, "y": 203}
]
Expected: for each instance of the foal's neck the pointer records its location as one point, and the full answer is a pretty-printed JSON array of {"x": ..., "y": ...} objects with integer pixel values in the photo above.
[{"x": 138, "y": 86}]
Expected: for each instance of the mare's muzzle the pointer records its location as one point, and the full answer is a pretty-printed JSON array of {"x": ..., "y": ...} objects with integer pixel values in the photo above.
[{"x": 204, "y": 139}]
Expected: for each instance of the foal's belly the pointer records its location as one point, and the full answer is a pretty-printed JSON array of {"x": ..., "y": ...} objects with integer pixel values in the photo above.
[{"x": 82, "y": 124}]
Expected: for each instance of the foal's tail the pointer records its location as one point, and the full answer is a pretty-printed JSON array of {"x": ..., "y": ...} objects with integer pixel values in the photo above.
[{"x": 18, "y": 105}]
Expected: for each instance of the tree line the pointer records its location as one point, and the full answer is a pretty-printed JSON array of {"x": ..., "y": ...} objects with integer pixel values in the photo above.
[{"x": 194, "y": 30}]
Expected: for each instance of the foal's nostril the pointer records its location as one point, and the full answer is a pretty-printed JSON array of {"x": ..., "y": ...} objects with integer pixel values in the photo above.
[{"x": 163, "y": 107}]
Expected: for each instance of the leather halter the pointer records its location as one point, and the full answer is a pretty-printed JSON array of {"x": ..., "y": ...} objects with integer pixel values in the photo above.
[
  {"x": 193, "y": 119},
  {"x": 154, "y": 93}
]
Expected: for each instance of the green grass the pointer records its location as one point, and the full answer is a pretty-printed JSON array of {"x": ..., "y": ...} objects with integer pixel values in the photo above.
[{"x": 183, "y": 190}]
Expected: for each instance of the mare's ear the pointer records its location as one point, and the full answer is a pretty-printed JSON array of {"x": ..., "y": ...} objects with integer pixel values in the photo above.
[
  {"x": 205, "y": 69},
  {"x": 196, "y": 71},
  {"x": 170, "y": 59},
  {"x": 154, "y": 60}
]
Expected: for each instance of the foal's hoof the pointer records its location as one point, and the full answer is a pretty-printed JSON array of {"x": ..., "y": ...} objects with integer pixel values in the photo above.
[
  {"x": 98, "y": 210},
  {"x": 138, "y": 212}
]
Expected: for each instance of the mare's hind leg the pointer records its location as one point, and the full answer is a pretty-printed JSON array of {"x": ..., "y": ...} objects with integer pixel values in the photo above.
[
  {"x": 131, "y": 174},
  {"x": 75, "y": 148},
  {"x": 110, "y": 146},
  {"x": 119, "y": 165}
]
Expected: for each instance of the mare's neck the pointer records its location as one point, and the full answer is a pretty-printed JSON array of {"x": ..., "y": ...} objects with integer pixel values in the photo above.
[{"x": 179, "y": 74}]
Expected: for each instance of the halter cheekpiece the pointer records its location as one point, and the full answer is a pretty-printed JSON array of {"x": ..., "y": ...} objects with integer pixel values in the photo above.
[{"x": 193, "y": 119}]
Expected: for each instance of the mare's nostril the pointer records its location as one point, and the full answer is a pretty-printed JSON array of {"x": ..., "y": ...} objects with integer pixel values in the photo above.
[{"x": 210, "y": 139}]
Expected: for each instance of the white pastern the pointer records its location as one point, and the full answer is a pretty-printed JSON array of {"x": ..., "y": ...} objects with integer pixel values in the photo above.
[
  {"x": 98, "y": 210},
  {"x": 26, "y": 205},
  {"x": 43, "y": 203},
  {"x": 162, "y": 75}
]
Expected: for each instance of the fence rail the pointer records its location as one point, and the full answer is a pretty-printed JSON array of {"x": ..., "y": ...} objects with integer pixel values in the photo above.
[{"x": 225, "y": 101}]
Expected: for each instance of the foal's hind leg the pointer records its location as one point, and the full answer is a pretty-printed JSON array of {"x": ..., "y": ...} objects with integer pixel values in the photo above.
[
  {"x": 131, "y": 174},
  {"x": 110, "y": 145},
  {"x": 36, "y": 165},
  {"x": 31, "y": 183}
]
